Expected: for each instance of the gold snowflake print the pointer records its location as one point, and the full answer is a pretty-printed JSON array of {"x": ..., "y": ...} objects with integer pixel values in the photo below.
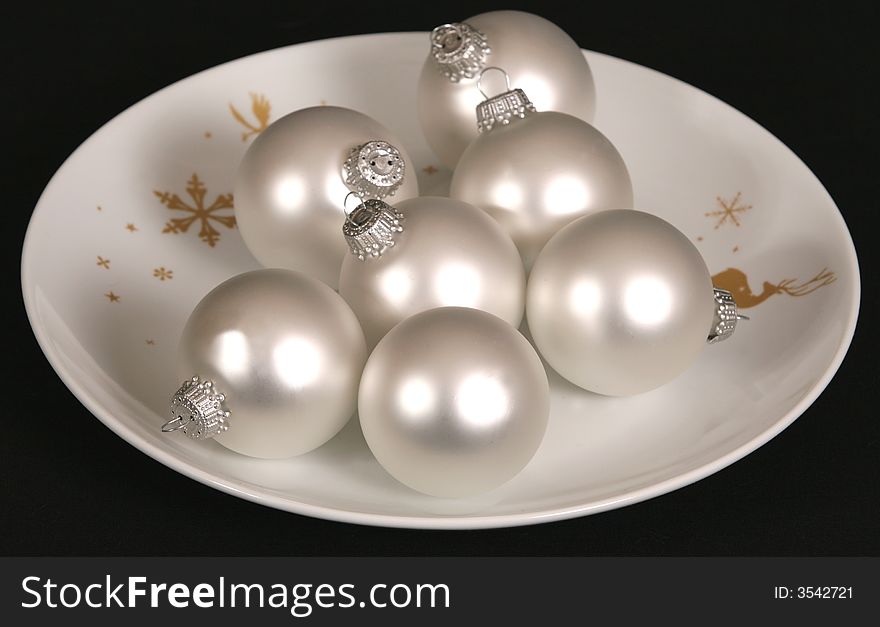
[
  {"x": 162, "y": 274},
  {"x": 131, "y": 227},
  {"x": 261, "y": 108},
  {"x": 206, "y": 216},
  {"x": 104, "y": 263},
  {"x": 728, "y": 211},
  {"x": 113, "y": 298}
]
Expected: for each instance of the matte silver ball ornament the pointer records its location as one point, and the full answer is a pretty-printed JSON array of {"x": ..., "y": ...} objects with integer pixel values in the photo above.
[
  {"x": 454, "y": 402},
  {"x": 270, "y": 361},
  {"x": 621, "y": 302},
  {"x": 291, "y": 182},
  {"x": 539, "y": 56},
  {"x": 423, "y": 253},
  {"x": 536, "y": 171}
]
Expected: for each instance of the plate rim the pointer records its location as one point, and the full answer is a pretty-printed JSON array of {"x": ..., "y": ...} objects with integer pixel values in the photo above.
[{"x": 240, "y": 489}]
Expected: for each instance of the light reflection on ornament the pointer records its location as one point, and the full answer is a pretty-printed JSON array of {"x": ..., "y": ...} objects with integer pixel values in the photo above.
[
  {"x": 289, "y": 194},
  {"x": 297, "y": 361},
  {"x": 506, "y": 194},
  {"x": 233, "y": 351},
  {"x": 482, "y": 401},
  {"x": 647, "y": 301},
  {"x": 416, "y": 399},
  {"x": 585, "y": 297},
  {"x": 566, "y": 194},
  {"x": 396, "y": 286},
  {"x": 458, "y": 284},
  {"x": 334, "y": 187},
  {"x": 540, "y": 91}
]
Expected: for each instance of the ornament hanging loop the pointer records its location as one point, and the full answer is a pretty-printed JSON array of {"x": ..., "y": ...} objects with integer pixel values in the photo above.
[
  {"x": 175, "y": 424},
  {"x": 345, "y": 208},
  {"x": 480, "y": 80},
  {"x": 503, "y": 108}
]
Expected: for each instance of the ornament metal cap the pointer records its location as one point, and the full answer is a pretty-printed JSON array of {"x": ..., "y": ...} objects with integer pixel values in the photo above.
[
  {"x": 459, "y": 50},
  {"x": 371, "y": 228},
  {"x": 501, "y": 109},
  {"x": 374, "y": 169},
  {"x": 197, "y": 410},
  {"x": 726, "y": 317}
]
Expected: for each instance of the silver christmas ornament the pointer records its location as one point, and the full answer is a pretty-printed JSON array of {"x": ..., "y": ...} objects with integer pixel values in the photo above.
[
  {"x": 291, "y": 182},
  {"x": 539, "y": 56},
  {"x": 453, "y": 402},
  {"x": 535, "y": 172},
  {"x": 270, "y": 361},
  {"x": 621, "y": 302},
  {"x": 423, "y": 253}
]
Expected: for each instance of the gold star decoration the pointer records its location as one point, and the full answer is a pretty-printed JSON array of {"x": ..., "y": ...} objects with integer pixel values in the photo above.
[
  {"x": 113, "y": 298},
  {"x": 104, "y": 263},
  {"x": 162, "y": 274},
  {"x": 206, "y": 216},
  {"x": 131, "y": 227},
  {"x": 261, "y": 108},
  {"x": 728, "y": 211},
  {"x": 429, "y": 170}
]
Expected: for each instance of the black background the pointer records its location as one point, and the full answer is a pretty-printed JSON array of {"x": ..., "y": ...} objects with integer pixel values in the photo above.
[{"x": 70, "y": 486}]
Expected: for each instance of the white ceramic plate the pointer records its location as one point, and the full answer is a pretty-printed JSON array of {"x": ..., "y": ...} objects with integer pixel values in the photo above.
[{"x": 109, "y": 279}]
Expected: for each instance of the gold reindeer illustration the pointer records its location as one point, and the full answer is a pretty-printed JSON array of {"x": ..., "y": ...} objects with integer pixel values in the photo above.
[
  {"x": 261, "y": 109},
  {"x": 736, "y": 282}
]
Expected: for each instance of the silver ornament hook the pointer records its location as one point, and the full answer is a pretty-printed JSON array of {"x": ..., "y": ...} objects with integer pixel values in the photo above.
[
  {"x": 480, "y": 80},
  {"x": 175, "y": 424}
]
